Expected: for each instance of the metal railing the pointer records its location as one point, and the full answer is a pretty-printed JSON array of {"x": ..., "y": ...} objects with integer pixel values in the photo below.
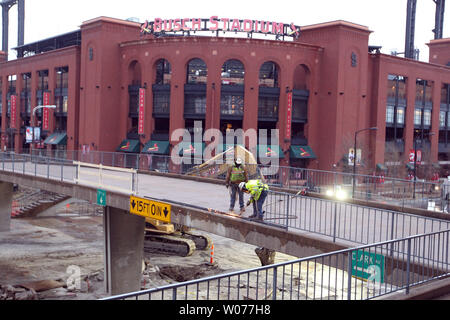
[
  {"x": 336, "y": 219},
  {"x": 99, "y": 176},
  {"x": 344, "y": 221},
  {"x": 367, "y": 187},
  {"x": 359, "y": 273}
]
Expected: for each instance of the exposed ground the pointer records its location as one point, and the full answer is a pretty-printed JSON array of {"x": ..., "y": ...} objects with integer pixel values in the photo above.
[{"x": 42, "y": 257}]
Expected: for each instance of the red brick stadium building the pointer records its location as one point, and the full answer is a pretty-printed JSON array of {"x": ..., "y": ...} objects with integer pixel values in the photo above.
[{"x": 120, "y": 86}]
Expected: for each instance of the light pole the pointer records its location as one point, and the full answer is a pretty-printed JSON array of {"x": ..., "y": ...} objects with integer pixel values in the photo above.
[
  {"x": 415, "y": 161},
  {"x": 34, "y": 122},
  {"x": 354, "y": 158}
]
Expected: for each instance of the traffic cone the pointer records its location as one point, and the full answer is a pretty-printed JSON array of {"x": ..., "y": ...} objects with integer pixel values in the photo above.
[{"x": 211, "y": 256}]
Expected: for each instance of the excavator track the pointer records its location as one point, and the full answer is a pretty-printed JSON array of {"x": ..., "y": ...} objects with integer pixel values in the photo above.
[
  {"x": 202, "y": 242},
  {"x": 154, "y": 243}
]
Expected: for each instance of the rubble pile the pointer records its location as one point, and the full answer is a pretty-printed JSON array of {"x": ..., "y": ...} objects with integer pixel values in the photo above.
[{"x": 10, "y": 292}]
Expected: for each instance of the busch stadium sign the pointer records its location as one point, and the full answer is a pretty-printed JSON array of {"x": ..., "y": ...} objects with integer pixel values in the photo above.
[{"x": 215, "y": 24}]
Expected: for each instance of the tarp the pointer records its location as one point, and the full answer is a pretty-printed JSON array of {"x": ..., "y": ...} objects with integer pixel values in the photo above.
[
  {"x": 220, "y": 163},
  {"x": 156, "y": 147},
  {"x": 301, "y": 152},
  {"x": 56, "y": 138},
  {"x": 129, "y": 145}
]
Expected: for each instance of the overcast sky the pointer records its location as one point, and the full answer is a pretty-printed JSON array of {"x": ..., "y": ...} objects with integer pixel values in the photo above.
[{"x": 385, "y": 18}]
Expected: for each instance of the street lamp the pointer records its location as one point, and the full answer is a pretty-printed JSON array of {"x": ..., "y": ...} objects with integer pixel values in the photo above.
[
  {"x": 415, "y": 161},
  {"x": 354, "y": 158},
  {"x": 34, "y": 122}
]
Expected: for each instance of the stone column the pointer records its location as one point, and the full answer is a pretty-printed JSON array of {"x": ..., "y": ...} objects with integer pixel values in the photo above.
[
  {"x": 124, "y": 250},
  {"x": 6, "y": 192}
]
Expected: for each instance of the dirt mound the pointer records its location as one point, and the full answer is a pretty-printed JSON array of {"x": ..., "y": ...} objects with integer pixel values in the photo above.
[{"x": 180, "y": 273}]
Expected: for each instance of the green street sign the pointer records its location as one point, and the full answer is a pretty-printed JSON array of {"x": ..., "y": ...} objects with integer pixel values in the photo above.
[
  {"x": 101, "y": 197},
  {"x": 368, "y": 266}
]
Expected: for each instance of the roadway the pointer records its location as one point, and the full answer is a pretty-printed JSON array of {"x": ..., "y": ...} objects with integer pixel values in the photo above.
[{"x": 351, "y": 224}]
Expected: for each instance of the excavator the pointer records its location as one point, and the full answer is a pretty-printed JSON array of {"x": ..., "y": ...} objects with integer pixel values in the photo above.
[{"x": 168, "y": 238}]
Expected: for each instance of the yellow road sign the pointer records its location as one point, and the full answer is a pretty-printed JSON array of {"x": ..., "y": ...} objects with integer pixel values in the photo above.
[{"x": 149, "y": 208}]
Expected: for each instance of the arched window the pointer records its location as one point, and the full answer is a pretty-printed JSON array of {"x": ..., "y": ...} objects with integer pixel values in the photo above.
[
  {"x": 232, "y": 96},
  {"x": 268, "y": 75},
  {"x": 197, "y": 71},
  {"x": 134, "y": 73},
  {"x": 269, "y": 93},
  {"x": 233, "y": 72},
  {"x": 300, "y": 96},
  {"x": 301, "y": 77},
  {"x": 163, "y": 72},
  {"x": 134, "y": 84}
]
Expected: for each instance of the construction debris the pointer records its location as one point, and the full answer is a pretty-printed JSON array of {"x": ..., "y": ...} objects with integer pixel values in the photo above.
[
  {"x": 43, "y": 285},
  {"x": 219, "y": 164},
  {"x": 266, "y": 256},
  {"x": 9, "y": 292}
]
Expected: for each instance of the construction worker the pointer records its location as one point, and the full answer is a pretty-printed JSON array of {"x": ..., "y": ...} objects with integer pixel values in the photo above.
[
  {"x": 236, "y": 174},
  {"x": 258, "y": 193}
]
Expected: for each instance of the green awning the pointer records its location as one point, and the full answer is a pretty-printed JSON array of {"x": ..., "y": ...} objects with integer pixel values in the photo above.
[
  {"x": 301, "y": 152},
  {"x": 129, "y": 145},
  {"x": 156, "y": 147},
  {"x": 187, "y": 148},
  {"x": 265, "y": 151},
  {"x": 56, "y": 138},
  {"x": 381, "y": 167}
]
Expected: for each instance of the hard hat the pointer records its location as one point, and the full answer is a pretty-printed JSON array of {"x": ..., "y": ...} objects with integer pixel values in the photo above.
[
  {"x": 238, "y": 161},
  {"x": 241, "y": 185}
]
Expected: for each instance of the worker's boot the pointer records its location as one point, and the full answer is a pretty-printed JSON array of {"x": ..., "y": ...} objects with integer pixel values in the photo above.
[
  {"x": 242, "y": 211},
  {"x": 231, "y": 211}
]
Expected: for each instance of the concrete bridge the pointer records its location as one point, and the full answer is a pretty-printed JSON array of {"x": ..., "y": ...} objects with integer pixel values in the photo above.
[{"x": 303, "y": 235}]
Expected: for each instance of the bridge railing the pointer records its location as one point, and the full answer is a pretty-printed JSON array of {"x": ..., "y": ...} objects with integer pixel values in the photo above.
[
  {"x": 344, "y": 221},
  {"x": 359, "y": 273},
  {"x": 337, "y": 219},
  {"x": 402, "y": 192},
  {"x": 62, "y": 169}
]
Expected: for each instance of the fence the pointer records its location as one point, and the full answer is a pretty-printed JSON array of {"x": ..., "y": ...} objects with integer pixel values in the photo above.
[
  {"x": 411, "y": 260},
  {"x": 402, "y": 192},
  {"x": 359, "y": 273},
  {"x": 345, "y": 221},
  {"x": 336, "y": 219}
]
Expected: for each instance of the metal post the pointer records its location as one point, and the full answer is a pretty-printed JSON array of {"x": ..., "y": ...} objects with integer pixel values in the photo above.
[
  {"x": 349, "y": 274},
  {"x": 174, "y": 294},
  {"x": 274, "y": 289},
  {"x": 354, "y": 167},
  {"x": 334, "y": 221},
  {"x": 48, "y": 168},
  {"x": 415, "y": 159},
  {"x": 392, "y": 232},
  {"x": 287, "y": 210},
  {"x": 408, "y": 262}
]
